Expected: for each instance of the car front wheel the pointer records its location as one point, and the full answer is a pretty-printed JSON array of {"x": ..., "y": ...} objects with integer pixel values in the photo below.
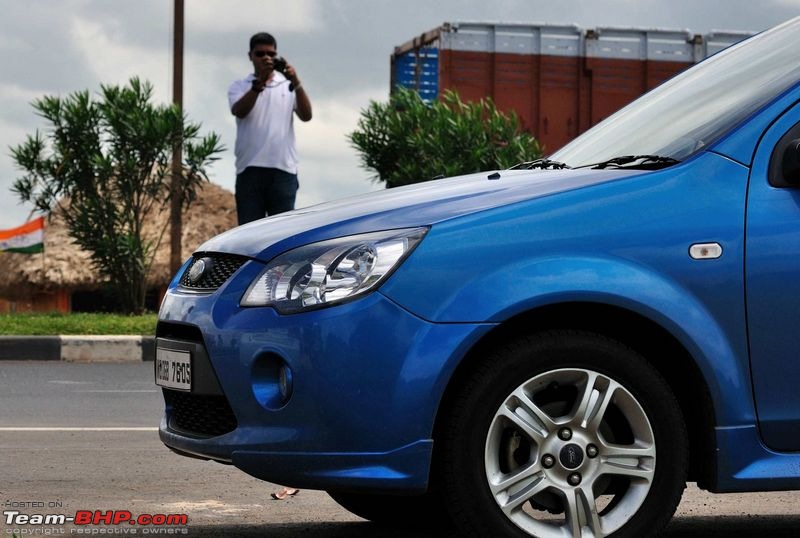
[{"x": 564, "y": 434}]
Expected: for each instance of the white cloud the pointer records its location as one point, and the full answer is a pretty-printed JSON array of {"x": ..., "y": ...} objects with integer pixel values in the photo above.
[
  {"x": 17, "y": 121},
  {"x": 13, "y": 43},
  {"x": 12, "y": 211},
  {"x": 325, "y": 136},
  {"x": 114, "y": 62},
  {"x": 329, "y": 166},
  {"x": 13, "y": 94},
  {"x": 238, "y": 15}
]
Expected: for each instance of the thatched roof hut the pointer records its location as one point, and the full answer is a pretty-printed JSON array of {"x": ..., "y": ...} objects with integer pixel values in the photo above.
[{"x": 64, "y": 266}]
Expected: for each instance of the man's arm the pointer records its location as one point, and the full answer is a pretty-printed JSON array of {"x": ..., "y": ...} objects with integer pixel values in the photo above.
[
  {"x": 246, "y": 102},
  {"x": 303, "y": 103},
  {"x": 243, "y": 106},
  {"x": 303, "y": 109}
]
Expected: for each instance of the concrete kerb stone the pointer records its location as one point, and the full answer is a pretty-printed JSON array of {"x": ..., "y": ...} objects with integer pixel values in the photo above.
[
  {"x": 31, "y": 348},
  {"x": 108, "y": 348}
]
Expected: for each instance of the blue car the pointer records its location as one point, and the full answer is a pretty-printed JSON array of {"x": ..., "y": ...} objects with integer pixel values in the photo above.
[{"x": 551, "y": 350}]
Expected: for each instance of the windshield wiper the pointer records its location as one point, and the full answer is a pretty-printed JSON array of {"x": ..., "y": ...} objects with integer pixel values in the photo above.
[
  {"x": 646, "y": 162},
  {"x": 539, "y": 163}
]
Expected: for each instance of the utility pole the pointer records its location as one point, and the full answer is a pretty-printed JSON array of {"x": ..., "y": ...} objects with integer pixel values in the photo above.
[{"x": 176, "y": 225}]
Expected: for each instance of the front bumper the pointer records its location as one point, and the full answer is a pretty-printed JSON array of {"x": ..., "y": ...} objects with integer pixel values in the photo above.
[{"x": 367, "y": 379}]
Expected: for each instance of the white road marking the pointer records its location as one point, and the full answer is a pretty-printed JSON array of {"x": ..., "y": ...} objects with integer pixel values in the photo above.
[
  {"x": 113, "y": 390},
  {"x": 76, "y": 429},
  {"x": 65, "y": 382}
]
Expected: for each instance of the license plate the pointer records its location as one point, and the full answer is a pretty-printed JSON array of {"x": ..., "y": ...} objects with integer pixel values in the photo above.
[{"x": 174, "y": 369}]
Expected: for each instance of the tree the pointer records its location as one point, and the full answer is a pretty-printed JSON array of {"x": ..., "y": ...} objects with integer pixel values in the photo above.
[
  {"x": 407, "y": 140},
  {"x": 105, "y": 164}
]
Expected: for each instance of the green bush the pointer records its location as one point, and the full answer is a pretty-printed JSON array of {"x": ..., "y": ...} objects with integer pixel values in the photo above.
[
  {"x": 105, "y": 162},
  {"x": 408, "y": 141}
]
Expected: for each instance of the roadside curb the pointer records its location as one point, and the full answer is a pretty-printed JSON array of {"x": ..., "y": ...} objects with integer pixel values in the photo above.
[{"x": 78, "y": 348}]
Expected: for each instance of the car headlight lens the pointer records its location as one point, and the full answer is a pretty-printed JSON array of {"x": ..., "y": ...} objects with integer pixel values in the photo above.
[{"x": 331, "y": 271}]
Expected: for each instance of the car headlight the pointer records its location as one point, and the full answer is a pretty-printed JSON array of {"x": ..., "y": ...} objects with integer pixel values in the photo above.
[{"x": 330, "y": 272}]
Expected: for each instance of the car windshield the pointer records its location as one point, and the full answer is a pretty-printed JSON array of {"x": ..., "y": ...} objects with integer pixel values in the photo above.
[{"x": 693, "y": 109}]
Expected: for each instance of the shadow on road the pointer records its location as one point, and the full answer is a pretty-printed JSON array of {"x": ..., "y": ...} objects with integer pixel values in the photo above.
[
  {"x": 312, "y": 530},
  {"x": 747, "y": 526},
  {"x": 683, "y": 527}
]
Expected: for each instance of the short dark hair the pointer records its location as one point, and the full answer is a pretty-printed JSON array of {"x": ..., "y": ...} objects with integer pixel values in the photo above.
[{"x": 262, "y": 38}]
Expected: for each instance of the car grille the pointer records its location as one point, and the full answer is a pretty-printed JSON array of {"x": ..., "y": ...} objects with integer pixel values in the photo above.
[
  {"x": 220, "y": 267},
  {"x": 199, "y": 415}
]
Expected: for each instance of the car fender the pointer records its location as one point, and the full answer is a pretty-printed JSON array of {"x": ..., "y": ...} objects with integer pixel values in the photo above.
[{"x": 515, "y": 289}]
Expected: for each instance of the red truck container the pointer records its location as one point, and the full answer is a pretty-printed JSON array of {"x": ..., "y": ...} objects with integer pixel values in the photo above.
[{"x": 559, "y": 79}]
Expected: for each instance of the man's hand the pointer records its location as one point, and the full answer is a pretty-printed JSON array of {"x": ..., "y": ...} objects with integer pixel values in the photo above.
[
  {"x": 258, "y": 85},
  {"x": 263, "y": 75},
  {"x": 291, "y": 74},
  {"x": 303, "y": 103}
]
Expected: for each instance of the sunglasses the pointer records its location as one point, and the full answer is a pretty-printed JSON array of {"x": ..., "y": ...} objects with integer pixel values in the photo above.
[{"x": 262, "y": 53}]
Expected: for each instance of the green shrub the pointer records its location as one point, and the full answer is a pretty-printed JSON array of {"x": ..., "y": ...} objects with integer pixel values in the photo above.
[{"x": 408, "y": 140}]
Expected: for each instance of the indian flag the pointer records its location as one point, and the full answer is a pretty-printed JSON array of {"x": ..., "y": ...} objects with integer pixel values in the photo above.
[{"x": 28, "y": 238}]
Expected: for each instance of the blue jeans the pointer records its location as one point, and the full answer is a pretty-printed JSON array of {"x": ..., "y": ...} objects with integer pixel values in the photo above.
[{"x": 264, "y": 191}]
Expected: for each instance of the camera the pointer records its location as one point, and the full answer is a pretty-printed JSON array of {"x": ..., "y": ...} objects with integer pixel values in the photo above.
[{"x": 279, "y": 64}]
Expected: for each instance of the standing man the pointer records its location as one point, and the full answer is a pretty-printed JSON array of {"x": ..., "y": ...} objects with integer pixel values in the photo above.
[{"x": 264, "y": 104}]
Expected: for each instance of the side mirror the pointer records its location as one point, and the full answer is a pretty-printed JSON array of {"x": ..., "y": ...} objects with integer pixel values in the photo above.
[{"x": 790, "y": 165}]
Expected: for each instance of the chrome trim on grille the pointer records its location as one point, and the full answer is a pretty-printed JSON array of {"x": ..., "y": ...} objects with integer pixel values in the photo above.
[{"x": 219, "y": 268}]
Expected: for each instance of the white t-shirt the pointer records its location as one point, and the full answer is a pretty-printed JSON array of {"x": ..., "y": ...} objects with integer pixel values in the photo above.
[{"x": 265, "y": 137}]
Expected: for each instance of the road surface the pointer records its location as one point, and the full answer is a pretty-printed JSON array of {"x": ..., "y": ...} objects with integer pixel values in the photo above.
[{"x": 83, "y": 437}]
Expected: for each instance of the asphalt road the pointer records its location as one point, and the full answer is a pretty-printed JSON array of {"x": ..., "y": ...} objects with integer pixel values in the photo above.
[{"x": 82, "y": 437}]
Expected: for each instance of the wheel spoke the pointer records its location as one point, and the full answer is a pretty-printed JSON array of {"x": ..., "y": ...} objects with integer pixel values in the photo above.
[
  {"x": 632, "y": 452},
  {"x": 527, "y": 416},
  {"x": 631, "y": 461},
  {"x": 581, "y": 514},
  {"x": 598, "y": 393},
  {"x": 630, "y": 471},
  {"x": 515, "y": 489},
  {"x": 518, "y": 479}
]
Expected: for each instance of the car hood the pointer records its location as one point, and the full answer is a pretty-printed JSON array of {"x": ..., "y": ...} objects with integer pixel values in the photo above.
[{"x": 422, "y": 204}]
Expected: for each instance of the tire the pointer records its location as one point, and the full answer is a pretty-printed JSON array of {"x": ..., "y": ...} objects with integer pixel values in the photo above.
[
  {"x": 577, "y": 434},
  {"x": 399, "y": 511}
]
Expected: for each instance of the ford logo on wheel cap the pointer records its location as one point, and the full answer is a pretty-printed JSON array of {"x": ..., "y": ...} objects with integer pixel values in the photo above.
[
  {"x": 197, "y": 270},
  {"x": 571, "y": 456}
]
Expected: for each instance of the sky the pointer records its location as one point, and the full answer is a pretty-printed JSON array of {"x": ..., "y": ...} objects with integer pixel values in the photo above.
[{"x": 340, "y": 48}]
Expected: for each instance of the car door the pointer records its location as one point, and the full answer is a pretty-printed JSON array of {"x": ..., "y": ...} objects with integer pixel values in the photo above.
[{"x": 772, "y": 279}]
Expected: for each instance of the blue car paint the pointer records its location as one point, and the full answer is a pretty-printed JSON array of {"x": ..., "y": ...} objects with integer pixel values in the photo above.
[
  {"x": 773, "y": 288},
  {"x": 367, "y": 391},
  {"x": 355, "y": 385},
  {"x": 403, "y": 207},
  {"x": 645, "y": 268}
]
